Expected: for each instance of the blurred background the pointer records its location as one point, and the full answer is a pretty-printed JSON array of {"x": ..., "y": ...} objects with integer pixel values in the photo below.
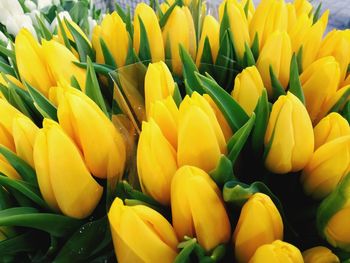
[{"x": 339, "y": 16}]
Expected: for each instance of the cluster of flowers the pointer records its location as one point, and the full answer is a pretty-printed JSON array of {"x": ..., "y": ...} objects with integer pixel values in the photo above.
[{"x": 174, "y": 136}]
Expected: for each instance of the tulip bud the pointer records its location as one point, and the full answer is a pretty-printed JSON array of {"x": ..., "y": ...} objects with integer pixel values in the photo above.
[
  {"x": 329, "y": 128},
  {"x": 105, "y": 155},
  {"x": 238, "y": 25},
  {"x": 200, "y": 138},
  {"x": 248, "y": 89},
  {"x": 250, "y": 234},
  {"x": 31, "y": 62},
  {"x": 328, "y": 165},
  {"x": 198, "y": 209},
  {"x": 64, "y": 180},
  {"x": 210, "y": 30},
  {"x": 289, "y": 136},
  {"x": 337, "y": 44},
  {"x": 179, "y": 29},
  {"x": 166, "y": 114},
  {"x": 114, "y": 33},
  {"x": 154, "y": 34},
  {"x": 323, "y": 73},
  {"x": 24, "y": 135},
  {"x": 60, "y": 63},
  {"x": 277, "y": 252},
  {"x": 333, "y": 216},
  {"x": 277, "y": 53},
  {"x": 159, "y": 84},
  {"x": 155, "y": 156},
  {"x": 319, "y": 255},
  {"x": 155, "y": 240},
  {"x": 269, "y": 16}
]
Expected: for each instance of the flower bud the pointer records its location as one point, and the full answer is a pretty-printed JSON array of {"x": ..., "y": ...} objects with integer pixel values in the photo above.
[
  {"x": 289, "y": 136},
  {"x": 198, "y": 209},
  {"x": 319, "y": 255}
]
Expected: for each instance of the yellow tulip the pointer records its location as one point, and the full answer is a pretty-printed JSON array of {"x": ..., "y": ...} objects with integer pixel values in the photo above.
[
  {"x": 114, "y": 33},
  {"x": 210, "y": 30},
  {"x": 198, "y": 209},
  {"x": 31, "y": 62},
  {"x": 289, "y": 136},
  {"x": 328, "y": 165},
  {"x": 319, "y": 255},
  {"x": 192, "y": 32},
  {"x": 8, "y": 170},
  {"x": 251, "y": 8},
  {"x": 156, "y": 162},
  {"x": 225, "y": 127},
  {"x": 269, "y": 16},
  {"x": 329, "y": 128},
  {"x": 141, "y": 235},
  {"x": 336, "y": 41},
  {"x": 200, "y": 138},
  {"x": 250, "y": 233},
  {"x": 319, "y": 82},
  {"x": 12, "y": 79},
  {"x": 298, "y": 30},
  {"x": 166, "y": 114},
  {"x": 60, "y": 63},
  {"x": 248, "y": 89},
  {"x": 24, "y": 134},
  {"x": 154, "y": 34},
  {"x": 159, "y": 84},
  {"x": 238, "y": 25},
  {"x": 105, "y": 154},
  {"x": 302, "y": 7},
  {"x": 176, "y": 31},
  {"x": 277, "y": 252},
  {"x": 277, "y": 52},
  {"x": 64, "y": 180}
]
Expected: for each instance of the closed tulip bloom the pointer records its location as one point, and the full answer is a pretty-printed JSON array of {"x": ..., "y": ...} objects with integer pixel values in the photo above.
[
  {"x": 166, "y": 114},
  {"x": 192, "y": 32},
  {"x": 60, "y": 63},
  {"x": 250, "y": 233},
  {"x": 156, "y": 162},
  {"x": 277, "y": 52},
  {"x": 329, "y": 128},
  {"x": 299, "y": 29},
  {"x": 159, "y": 84},
  {"x": 337, "y": 44},
  {"x": 200, "y": 138},
  {"x": 289, "y": 136},
  {"x": 154, "y": 33},
  {"x": 319, "y": 82},
  {"x": 319, "y": 255},
  {"x": 140, "y": 234},
  {"x": 277, "y": 252},
  {"x": 302, "y": 7},
  {"x": 64, "y": 180},
  {"x": 238, "y": 25},
  {"x": 210, "y": 30},
  {"x": 114, "y": 33},
  {"x": 24, "y": 134},
  {"x": 328, "y": 165},
  {"x": 105, "y": 155},
  {"x": 248, "y": 89},
  {"x": 31, "y": 62},
  {"x": 269, "y": 16},
  {"x": 198, "y": 209}
]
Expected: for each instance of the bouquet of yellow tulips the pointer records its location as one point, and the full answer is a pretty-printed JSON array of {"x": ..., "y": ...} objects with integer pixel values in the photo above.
[{"x": 170, "y": 135}]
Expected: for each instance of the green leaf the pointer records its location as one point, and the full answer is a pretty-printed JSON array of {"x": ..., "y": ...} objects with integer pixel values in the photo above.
[
  {"x": 64, "y": 34},
  {"x": 294, "y": 80},
  {"x": 144, "y": 51},
  {"x": 25, "y": 170},
  {"x": 277, "y": 88},
  {"x": 300, "y": 59},
  {"x": 99, "y": 68},
  {"x": 83, "y": 46},
  {"x": 337, "y": 106},
  {"x": 107, "y": 55},
  {"x": 5, "y": 199},
  {"x": 224, "y": 25},
  {"x": 238, "y": 140},
  {"x": 186, "y": 251},
  {"x": 44, "y": 106},
  {"x": 177, "y": 96},
  {"x": 189, "y": 68},
  {"x": 346, "y": 111},
  {"x": 7, "y": 69},
  {"x": 54, "y": 224},
  {"x": 248, "y": 57},
  {"x": 233, "y": 113},
  {"x": 74, "y": 83},
  {"x": 165, "y": 17},
  {"x": 246, "y": 8},
  {"x": 222, "y": 63},
  {"x": 206, "y": 61},
  {"x": 7, "y": 53},
  {"x": 92, "y": 88},
  {"x": 20, "y": 243},
  {"x": 223, "y": 172},
  {"x": 15, "y": 100},
  {"x": 255, "y": 46},
  {"x": 44, "y": 31},
  {"x": 262, "y": 111},
  {"x": 317, "y": 13}
]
